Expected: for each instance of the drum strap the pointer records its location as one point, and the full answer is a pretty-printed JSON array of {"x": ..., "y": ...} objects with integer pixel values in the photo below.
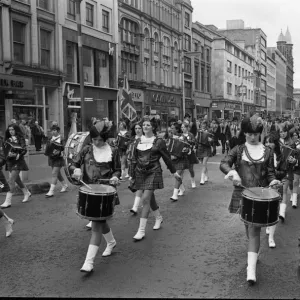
[{"x": 254, "y": 172}]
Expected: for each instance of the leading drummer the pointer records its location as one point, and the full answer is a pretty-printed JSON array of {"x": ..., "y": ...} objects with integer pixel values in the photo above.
[
  {"x": 254, "y": 167},
  {"x": 98, "y": 161}
]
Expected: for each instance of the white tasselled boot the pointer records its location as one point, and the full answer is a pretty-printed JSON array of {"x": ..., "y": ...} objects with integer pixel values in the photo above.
[
  {"x": 175, "y": 195},
  {"x": 158, "y": 219},
  {"x": 136, "y": 204},
  {"x": 282, "y": 209},
  {"x": 7, "y": 222},
  {"x": 7, "y": 202},
  {"x": 271, "y": 236},
  {"x": 141, "y": 231},
  {"x": 193, "y": 182},
  {"x": 111, "y": 243},
  {"x": 181, "y": 190},
  {"x": 51, "y": 191},
  {"x": 64, "y": 187},
  {"x": 27, "y": 195},
  {"x": 89, "y": 260},
  {"x": 294, "y": 200},
  {"x": 202, "y": 181},
  {"x": 251, "y": 268}
]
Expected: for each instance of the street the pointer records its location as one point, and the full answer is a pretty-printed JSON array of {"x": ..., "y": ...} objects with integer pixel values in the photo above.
[{"x": 200, "y": 251}]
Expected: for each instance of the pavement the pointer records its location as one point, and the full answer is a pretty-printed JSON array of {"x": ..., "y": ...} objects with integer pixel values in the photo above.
[{"x": 200, "y": 251}]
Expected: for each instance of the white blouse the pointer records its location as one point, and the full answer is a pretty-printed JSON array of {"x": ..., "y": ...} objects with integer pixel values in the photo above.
[
  {"x": 255, "y": 152},
  {"x": 146, "y": 143},
  {"x": 56, "y": 139},
  {"x": 102, "y": 154}
]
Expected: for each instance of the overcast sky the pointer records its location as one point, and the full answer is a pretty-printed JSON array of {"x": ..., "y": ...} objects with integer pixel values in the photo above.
[{"x": 269, "y": 15}]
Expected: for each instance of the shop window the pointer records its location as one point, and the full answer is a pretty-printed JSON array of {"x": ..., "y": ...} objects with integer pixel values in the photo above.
[
  {"x": 89, "y": 14},
  {"x": 88, "y": 68},
  {"x": 45, "y": 47},
  {"x": 102, "y": 68},
  {"x": 105, "y": 21},
  {"x": 71, "y": 61},
  {"x": 19, "y": 41},
  {"x": 71, "y": 9}
]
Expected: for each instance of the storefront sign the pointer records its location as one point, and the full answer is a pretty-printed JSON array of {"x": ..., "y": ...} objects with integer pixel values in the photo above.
[
  {"x": 13, "y": 82},
  {"x": 232, "y": 106},
  {"x": 137, "y": 95},
  {"x": 162, "y": 99},
  {"x": 214, "y": 104},
  {"x": 189, "y": 104}
]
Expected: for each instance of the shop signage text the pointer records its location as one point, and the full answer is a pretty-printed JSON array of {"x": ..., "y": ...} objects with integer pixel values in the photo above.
[
  {"x": 137, "y": 95},
  {"x": 12, "y": 82},
  {"x": 232, "y": 106},
  {"x": 162, "y": 99}
]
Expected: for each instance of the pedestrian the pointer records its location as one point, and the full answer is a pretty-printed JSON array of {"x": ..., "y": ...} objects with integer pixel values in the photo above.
[
  {"x": 15, "y": 162},
  {"x": 234, "y": 133},
  {"x": 98, "y": 161},
  {"x": 54, "y": 151},
  {"x": 146, "y": 172},
  {"x": 136, "y": 133},
  {"x": 254, "y": 167},
  {"x": 7, "y": 222},
  {"x": 215, "y": 130},
  {"x": 224, "y": 135},
  {"x": 38, "y": 134}
]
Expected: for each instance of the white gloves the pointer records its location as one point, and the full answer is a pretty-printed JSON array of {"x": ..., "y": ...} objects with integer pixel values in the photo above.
[
  {"x": 77, "y": 173},
  {"x": 234, "y": 176}
]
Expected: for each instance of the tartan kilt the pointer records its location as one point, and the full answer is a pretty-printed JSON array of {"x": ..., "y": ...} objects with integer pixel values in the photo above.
[
  {"x": 236, "y": 199},
  {"x": 144, "y": 180},
  {"x": 193, "y": 158},
  {"x": 16, "y": 165},
  {"x": 181, "y": 163},
  {"x": 203, "y": 151},
  {"x": 56, "y": 162}
]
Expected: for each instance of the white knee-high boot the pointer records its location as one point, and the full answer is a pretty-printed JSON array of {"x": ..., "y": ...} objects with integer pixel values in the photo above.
[
  {"x": 7, "y": 202},
  {"x": 282, "y": 209},
  {"x": 181, "y": 190},
  {"x": 294, "y": 200},
  {"x": 193, "y": 182},
  {"x": 202, "y": 181},
  {"x": 175, "y": 195},
  {"x": 271, "y": 236},
  {"x": 7, "y": 222},
  {"x": 89, "y": 260},
  {"x": 111, "y": 243},
  {"x": 27, "y": 195},
  {"x": 136, "y": 204},
  {"x": 64, "y": 187},
  {"x": 141, "y": 231},
  {"x": 51, "y": 191},
  {"x": 251, "y": 268},
  {"x": 158, "y": 219}
]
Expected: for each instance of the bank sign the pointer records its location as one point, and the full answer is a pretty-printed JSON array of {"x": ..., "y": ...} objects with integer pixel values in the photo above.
[{"x": 13, "y": 82}]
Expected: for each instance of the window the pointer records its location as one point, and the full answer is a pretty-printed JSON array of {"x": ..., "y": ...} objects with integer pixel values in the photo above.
[
  {"x": 196, "y": 47},
  {"x": 105, "y": 21},
  {"x": 45, "y": 48},
  {"x": 19, "y": 41},
  {"x": 147, "y": 40},
  {"x": 129, "y": 64},
  {"x": 236, "y": 52},
  {"x": 242, "y": 72},
  {"x": 88, "y": 65},
  {"x": 44, "y": 4},
  {"x": 263, "y": 42},
  {"x": 89, "y": 14},
  {"x": 239, "y": 71},
  {"x": 207, "y": 55},
  {"x": 202, "y": 79},
  {"x": 187, "y": 42},
  {"x": 156, "y": 65},
  {"x": 187, "y": 20},
  {"x": 156, "y": 43},
  {"x": 208, "y": 80},
  {"x": 202, "y": 52},
  {"x": 71, "y": 9},
  {"x": 175, "y": 52},
  {"x": 263, "y": 69},
  {"x": 229, "y": 66},
  {"x": 263, "y": 85},
  {"x": 236, "y": 90},
  {"x": 146, "y": 62},
  {"x": 71, "y": 61},
  {"x": 166, "y": 72},
  {"x": 196, "y": 76},
  {"x": 130, "y": 31},
  {"x": 235, "y": 69},
  {"x": 188, "y": 89},
  {"x": 102, "y": 68},
  {"x": 187, "y": 65},
  {"x": 229, "y": 88},
  {"x": 263, "y": 55}
]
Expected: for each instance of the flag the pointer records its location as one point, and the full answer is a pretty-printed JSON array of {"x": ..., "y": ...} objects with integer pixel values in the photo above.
[{"x": 127, "y": 105}]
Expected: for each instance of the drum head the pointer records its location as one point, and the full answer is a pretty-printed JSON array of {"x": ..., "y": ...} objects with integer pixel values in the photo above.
[
  {"x": 98, "y": 189},
  {"x": 260, "y": 193}
]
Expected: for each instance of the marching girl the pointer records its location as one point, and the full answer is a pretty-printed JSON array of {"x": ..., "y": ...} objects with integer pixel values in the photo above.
[
  {"x": 146, "y": 172},
  {"x": 97, "y": 159},
  {"x": 215, "y": 130},
  {"x": 137, "y": 133},
  {"x": 203, "y": 149},
  {"x": 56, "y": 161},
  {"x": 244, "y": 157},
  {"x": 15, "y": 163},
  {"x": 123, "y": 146},
  {"x": 179, "y": 163},
  {"x": 285, "y": 140},
  {"x": 296, "y": 170},
  {"x": 272, "y": 141}
]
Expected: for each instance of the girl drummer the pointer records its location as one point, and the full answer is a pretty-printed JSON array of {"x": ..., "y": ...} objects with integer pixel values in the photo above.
[
  {"x": 137, "y": 132},
  {"x": 97, "y": 159},
  {"x": 146, "y": 172},
  {"x": 254, "y": 167},
  {"x": 56, "y": 161},
  {"x": 15, "y": 163}
]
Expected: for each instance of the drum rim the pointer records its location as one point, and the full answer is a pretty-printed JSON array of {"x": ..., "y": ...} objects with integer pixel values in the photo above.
[
  {"x": 261, "y": 200},
  {"x": 95, "y": 219},
  {"x": 259, "y": 224},
  {"x": 91, "y": 192}
]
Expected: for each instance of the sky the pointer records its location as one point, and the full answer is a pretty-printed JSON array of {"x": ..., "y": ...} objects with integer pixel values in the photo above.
[{"x": 269, "y": 15}]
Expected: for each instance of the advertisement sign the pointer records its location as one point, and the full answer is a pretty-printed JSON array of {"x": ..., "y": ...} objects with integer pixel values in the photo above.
[{"x": 13, "y": 82}]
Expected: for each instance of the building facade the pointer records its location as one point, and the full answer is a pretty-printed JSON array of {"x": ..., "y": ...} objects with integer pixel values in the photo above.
[
  {"x": 271, "y": 86},
  {"x": 297, "y": 102},
  {"x": 254, "y": 41},
  {"x": 232, "y": 68},
  {"x": 281, "y": 95}
]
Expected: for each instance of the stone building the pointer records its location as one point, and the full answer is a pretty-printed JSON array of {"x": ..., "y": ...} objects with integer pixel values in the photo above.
[{"x": 271, "y": 86}]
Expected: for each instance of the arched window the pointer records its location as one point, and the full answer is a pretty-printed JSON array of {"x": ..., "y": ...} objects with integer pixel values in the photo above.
[
  {"x": 147, "y": 39},
  {"x": 167, "y": 49},
  {"x": 156, "y": 42}
]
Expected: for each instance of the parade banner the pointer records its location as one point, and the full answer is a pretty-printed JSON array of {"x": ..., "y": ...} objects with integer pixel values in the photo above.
[{"x": 127, "y": 105}]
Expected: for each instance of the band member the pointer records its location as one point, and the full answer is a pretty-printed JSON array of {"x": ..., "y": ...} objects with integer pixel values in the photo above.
[
  {"x": 180, "y": 163},
  {"x": 7, "y": 222},
  {"x": 98, "y": 161},
  {"x": 204, "y": 139},
  {"x": 137, "y": 132},
  {"x": 254, "y": 166},
  {"x": 146, "y": 172},
  {"x": 224, "y": 135},
  {"x": 215, "y": 130},
  {"x": 123, "y": 146},
  {"x": 15, "y": 162},
  {"x": 234, "y": 133},
  {"x": 55, "y": 160},
  {"x": 296, "y": 170}
]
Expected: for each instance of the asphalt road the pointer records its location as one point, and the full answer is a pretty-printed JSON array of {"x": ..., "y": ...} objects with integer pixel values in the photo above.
[{"x": 200, "y": 251}]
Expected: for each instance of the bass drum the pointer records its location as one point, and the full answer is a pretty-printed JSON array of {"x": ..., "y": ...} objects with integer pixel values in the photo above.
[{"x": 74, "y": 144}]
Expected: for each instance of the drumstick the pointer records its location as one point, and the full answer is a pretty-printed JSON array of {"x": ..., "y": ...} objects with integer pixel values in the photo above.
[{"x": 85, "y": 184}]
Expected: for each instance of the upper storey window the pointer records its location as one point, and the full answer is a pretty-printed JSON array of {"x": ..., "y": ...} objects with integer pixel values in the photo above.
[{"x": 129, "y": 32}]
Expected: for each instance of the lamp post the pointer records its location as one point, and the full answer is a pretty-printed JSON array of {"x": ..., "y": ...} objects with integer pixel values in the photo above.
[{"x": 79, "y": 38}]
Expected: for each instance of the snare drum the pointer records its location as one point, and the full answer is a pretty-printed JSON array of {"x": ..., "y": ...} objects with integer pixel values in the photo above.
[
  {"x": 260, "y": 207},
  {"x": 98, "y": 203}
]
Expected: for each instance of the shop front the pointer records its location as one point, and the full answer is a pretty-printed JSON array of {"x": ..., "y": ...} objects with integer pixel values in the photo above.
[
  {"x": 138, "y": 99},
  {"x": 166, "y": 107},
  {"x": 15, "y": 91},
  {"x": 226, "y": 110},
  {"x": 202, "y": 104},
  {"x": 98, "y": 102},
  {"x": 189, "y": 107}
]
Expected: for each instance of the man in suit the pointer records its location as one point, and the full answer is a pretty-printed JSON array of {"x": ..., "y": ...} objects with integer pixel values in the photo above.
[{"x": 224, "y": 135}]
